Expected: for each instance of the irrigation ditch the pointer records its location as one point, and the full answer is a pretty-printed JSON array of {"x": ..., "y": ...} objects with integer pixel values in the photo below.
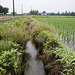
[{"x": 44, "y": 54}]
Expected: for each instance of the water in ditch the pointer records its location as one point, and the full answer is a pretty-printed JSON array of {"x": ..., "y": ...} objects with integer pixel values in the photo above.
[{"x": 35, "y": 64}]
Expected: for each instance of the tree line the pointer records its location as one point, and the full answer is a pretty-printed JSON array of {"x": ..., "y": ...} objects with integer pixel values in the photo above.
[
  {"x": 3, "y": 10},
  {"x": 36, "y": 12},
  {"x": 63, "y": 13}
]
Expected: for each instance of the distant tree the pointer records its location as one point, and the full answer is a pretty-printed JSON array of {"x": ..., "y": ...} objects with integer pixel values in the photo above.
[
  {"x": 72, "y": 14},
  {"x": 44, "y": 11},
  {"x": 34, "y": 12},
  {"x": 14, "y": 12},
  {"x": 48, "y": 14},
  {"x": 39, "y": 13},
  {"x": 66, "y": 13},
  {"x": 52, "y": 13},
  {"x": 69, "y": 14},
  {"x": 5, "y": 10},
  {"x": 62, "y": 13},
  {"x": 58, "y": 13},
  {"x": 1, "y": 9}
]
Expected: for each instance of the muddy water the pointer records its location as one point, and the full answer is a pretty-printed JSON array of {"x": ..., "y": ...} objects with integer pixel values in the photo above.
[{"x": 35, "y": 64}]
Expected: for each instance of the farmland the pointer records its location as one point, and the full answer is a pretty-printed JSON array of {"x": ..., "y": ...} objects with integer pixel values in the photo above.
[
  {"x": 64, "y": 25},
  {"x": 14, "y": 35}
]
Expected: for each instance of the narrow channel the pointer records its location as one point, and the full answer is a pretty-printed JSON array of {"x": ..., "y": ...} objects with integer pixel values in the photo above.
[{"x": 35, "y": 64}]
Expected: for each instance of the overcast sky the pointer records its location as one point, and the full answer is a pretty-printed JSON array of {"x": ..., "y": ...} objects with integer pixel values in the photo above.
[{"x": 41, "y": 5}]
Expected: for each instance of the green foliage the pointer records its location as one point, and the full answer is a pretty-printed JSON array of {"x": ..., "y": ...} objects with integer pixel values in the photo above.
[
  {"x": 5, "y": 45},
  {"x": 68, "y": 58},
  {"x": 34, "y": 12},
  {"x": 13, "y": 38},
  {"x": 3, "y": 9},
  {"x": 2, "y": 71},
  {"x": 10, "y": 59}
]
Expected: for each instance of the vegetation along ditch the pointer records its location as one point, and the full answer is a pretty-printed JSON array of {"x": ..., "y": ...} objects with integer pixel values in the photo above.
[{"x": 15, "y": 58}]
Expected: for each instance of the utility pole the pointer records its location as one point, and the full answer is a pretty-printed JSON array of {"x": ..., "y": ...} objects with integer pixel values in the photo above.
[
  {"x": 22, "y": 8},
  {"x": 13, "y": 9}
]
